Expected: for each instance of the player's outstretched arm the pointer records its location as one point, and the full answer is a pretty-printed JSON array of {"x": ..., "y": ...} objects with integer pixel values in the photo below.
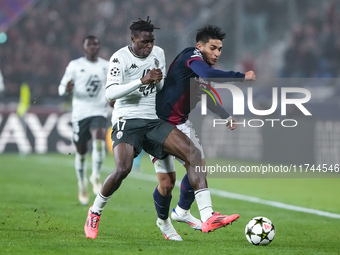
[
  {"x": 231, "y": 123},
  {"x": 116, "y": 90},
  {"x": 220, "y": 111},
  {"x": 250, "y": 76},
  {"x": 205, "y": 71},
  {"x": 216, "y": 108}
]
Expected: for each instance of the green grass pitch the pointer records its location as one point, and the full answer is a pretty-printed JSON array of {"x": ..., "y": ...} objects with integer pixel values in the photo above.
[{"x": 40, "y": 213}]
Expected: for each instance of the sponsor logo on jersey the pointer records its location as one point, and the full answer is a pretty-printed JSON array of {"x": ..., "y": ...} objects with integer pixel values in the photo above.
[
  {"x": 133, "y": 66},
  {"x": 115, "y": 60},
  {"x": 147, "y": 89}
]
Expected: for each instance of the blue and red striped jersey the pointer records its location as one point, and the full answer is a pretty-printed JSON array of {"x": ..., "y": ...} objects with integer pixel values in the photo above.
[{"x": 178, "y": 97}]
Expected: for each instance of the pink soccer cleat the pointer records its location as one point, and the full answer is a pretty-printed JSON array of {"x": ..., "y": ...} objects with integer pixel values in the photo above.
[
  {"x": 91, "y": 224},
  {"x": 217, "y": 221}
]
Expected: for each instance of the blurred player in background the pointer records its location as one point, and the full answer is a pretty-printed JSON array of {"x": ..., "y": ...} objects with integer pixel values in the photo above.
[
  {"x": 85, "y": 79},
  {"x": 135, "y": 75},
  {"x": 178, "y": 97}
]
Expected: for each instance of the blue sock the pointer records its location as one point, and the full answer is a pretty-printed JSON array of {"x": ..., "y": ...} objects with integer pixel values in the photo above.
[
  {"x": 162, "y": 204},
  {"x": 187, "y": 195}
]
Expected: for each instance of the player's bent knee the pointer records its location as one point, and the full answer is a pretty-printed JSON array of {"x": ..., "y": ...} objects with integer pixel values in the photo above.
[
  {"x": 194, "y": 158},
  {"x": 122, "y": 170},
  {"x": 195, "y": 155},
  {"x": 166, "y": 189},
  {"x": 122, "y": 173}
]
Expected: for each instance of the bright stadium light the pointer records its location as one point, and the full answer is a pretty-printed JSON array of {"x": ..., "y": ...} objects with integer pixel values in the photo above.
[{"x": 3, "y": 37}]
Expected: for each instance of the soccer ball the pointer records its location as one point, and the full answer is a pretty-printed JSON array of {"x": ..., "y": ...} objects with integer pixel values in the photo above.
[{"x": 260, "y": 231}]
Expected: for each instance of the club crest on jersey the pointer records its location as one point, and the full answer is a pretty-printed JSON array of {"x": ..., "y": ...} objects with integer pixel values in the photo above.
[
  {"x": 119, "y": 134},
  {"x": 197, "y": 53},
  {"x": 115, "y": 71},
  {"x": 156, "y": 62}
]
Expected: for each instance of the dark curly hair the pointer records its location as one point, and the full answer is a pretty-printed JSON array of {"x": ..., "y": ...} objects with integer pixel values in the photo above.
[
  {"x": 142, "y": 25},
  {"x": 209, "y": 32}
]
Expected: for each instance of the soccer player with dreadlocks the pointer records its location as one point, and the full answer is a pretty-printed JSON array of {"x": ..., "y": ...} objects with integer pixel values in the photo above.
[{"x": 135, "y": 74}]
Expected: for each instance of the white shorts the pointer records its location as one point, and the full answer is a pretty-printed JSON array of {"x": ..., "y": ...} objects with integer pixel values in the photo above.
[{"x": 167, "y": 165}]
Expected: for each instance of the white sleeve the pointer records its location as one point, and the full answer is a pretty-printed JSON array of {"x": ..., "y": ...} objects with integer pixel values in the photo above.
[
  {"x": 160, "y": 84},
  {"x": 115, "y": 87},
  {"x": 2, "y": 85},
  {"x": 115, "y": 90},
  {"x": 69, "y": 75}
]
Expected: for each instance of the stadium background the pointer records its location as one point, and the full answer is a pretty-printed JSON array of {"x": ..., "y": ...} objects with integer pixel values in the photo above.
[
  {"x": 290, "y": 39},
  {"x": 276, "y": 38}
]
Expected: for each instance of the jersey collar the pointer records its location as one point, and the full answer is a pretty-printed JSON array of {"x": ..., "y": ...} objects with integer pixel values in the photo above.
[{"x": 130, "y": 49}]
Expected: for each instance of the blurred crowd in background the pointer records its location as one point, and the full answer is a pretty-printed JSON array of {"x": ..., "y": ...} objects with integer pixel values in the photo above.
[
  {"x": 314, "y": 45},
  {"x": 273, "y": 37}
]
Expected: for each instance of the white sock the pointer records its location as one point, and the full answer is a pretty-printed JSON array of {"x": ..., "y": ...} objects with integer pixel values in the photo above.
[
  {"x": 80, "y": 166},
  {"x": 98, "y": 155},
  {"x": 99, "y": 203},
  {"x": 203, "y": 200},
  {"x": 163, "y": 222},
  {"x": 181, "y": 212}
]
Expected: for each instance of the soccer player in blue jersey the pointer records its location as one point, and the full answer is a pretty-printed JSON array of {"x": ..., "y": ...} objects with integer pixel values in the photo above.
[{"x": 173, "y": 104}]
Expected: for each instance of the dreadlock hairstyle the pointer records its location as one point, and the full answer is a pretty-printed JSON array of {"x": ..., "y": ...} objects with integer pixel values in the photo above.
[
  {"x": 142, "y": 25},
  {"x": 209, "y": 32}
]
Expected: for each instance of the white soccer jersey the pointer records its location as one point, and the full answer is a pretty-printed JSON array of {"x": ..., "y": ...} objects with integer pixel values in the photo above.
[
  {"x": 127, "y": 68},
  {"x": 89, "y": 87}
]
